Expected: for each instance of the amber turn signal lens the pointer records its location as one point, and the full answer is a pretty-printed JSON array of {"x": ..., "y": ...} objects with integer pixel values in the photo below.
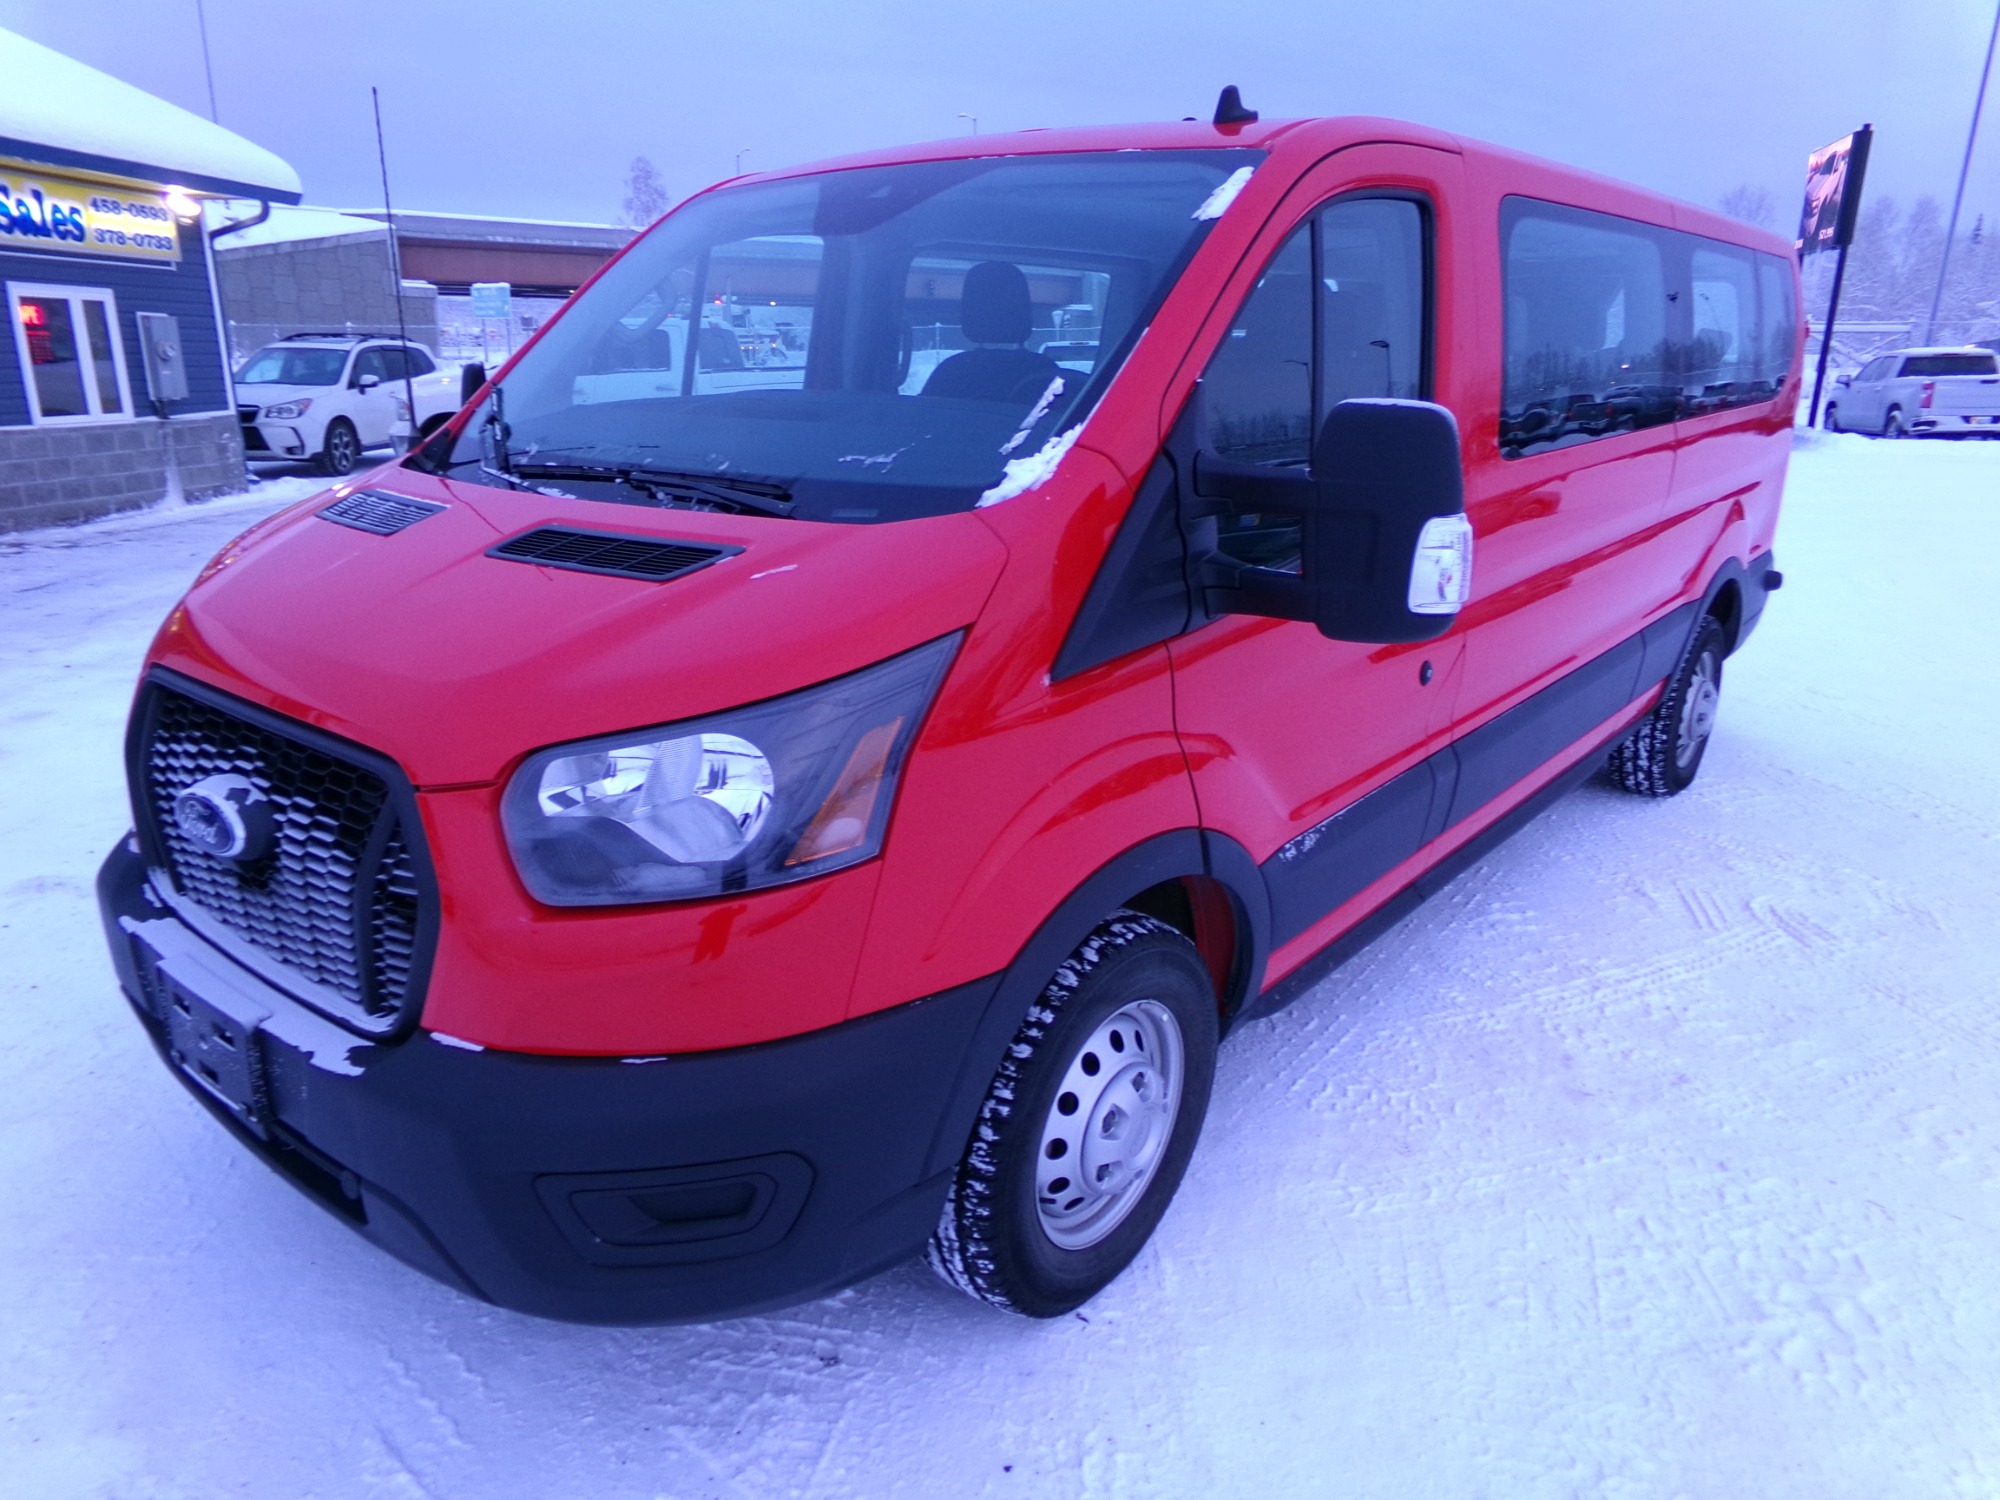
[{"x": 842, "y": 820}]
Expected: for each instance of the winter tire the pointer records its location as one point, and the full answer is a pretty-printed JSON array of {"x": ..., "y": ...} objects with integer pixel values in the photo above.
[
  {"x": 1088, "y": 1125},
  {"x": 342, "y": 450},
  {"x": 1660, "y": 757},
  {"x": 1892, "y": 424}
]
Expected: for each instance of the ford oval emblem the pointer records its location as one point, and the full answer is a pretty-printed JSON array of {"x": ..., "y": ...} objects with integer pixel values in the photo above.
[{"x": 226, "y": 816}]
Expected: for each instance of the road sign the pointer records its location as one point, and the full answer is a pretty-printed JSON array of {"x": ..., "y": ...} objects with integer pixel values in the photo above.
[{"x": 492, "y": 299}]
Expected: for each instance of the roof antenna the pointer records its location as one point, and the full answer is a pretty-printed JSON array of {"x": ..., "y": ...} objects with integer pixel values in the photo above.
[{"x": 1229, "y": 108}]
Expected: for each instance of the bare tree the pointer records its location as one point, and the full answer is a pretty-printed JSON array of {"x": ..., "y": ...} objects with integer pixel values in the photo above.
[
  {"x": 1893, "y": 268},
  {"x": 645, "y": 194},
  {"x": 1751, "y": 204}
]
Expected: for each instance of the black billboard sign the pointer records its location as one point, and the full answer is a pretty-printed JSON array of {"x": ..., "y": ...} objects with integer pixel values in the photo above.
[{"x": 1833, "y": 193}]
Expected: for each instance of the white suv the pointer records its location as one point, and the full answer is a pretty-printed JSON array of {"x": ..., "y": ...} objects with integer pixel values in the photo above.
[
  {"x": 1920, "y": 393},
  {"x": 329, "y": 397}
]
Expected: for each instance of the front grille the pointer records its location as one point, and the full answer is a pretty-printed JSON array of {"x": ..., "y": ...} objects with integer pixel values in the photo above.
[
  {"x": 253, "y": 435},
  {"x": 333, "y": 908}
]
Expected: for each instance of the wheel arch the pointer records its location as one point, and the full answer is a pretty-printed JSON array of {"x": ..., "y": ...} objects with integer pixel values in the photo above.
[{"x": 1202, "y": 883}]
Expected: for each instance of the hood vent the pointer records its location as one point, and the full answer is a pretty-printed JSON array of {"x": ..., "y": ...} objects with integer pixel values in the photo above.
[
  {"x": 377, "y": 511},
  {"x": 649, "y": 558}
]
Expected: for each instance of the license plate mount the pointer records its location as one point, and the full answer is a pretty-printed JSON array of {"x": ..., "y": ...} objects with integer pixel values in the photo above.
[{"x": 220, "y": 1052}]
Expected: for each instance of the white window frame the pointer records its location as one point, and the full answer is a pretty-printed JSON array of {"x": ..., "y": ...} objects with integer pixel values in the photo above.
[{"x": 76, "y": 296}]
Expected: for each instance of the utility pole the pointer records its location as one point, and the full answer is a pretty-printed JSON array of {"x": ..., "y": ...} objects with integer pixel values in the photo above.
[{"x": 1965, "y": 166}]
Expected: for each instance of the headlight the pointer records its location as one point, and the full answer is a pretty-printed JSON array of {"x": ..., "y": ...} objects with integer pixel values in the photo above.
[
  {"x": 287, "y": 411},
  {"x": 759, "y": 796}
]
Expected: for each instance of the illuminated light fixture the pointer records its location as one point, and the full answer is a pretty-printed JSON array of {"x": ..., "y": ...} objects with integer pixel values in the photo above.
[
  {"x": 32, "y": 315},
  {"x": 181, "y": 203}
]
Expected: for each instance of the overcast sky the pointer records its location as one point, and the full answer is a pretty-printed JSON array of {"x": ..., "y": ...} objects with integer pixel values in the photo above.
[{"x": 521, "y": 107}]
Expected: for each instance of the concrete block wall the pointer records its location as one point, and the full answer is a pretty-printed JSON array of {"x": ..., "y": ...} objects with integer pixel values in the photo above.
[
  {"x": 333, "y": 285},
  {"x": 53, "y": 475}
]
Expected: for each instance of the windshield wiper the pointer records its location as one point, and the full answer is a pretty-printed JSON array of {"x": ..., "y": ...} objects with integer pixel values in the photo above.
[{"x": 671, "y": 486}]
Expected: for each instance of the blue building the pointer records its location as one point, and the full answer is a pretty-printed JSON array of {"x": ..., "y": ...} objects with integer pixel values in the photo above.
[{"x": 114, "y": 379}]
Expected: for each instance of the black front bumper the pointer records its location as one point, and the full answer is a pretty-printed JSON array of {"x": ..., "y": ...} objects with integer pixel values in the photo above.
[{"x": 596, "y": 1190}]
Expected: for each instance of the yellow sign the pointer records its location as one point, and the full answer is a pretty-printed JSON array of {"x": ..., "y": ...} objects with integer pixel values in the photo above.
[{"x": 57, "y": 215}]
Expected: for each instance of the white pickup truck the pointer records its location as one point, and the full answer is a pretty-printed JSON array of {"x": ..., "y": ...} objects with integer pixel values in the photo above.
[
  {"x": 330, "y": 397},
  {"x": 1920, "y": 393}
]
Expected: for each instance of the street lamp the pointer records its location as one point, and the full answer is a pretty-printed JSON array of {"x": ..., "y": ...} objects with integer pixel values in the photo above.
[{"x": 975, "y": 122}]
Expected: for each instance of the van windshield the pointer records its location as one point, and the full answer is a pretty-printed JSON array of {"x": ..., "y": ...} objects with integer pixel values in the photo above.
[
  {"x": 279, "y": 365},
  {"x": 865, "y": 345}
]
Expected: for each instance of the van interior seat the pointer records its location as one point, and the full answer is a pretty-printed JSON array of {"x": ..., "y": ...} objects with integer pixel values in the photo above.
[{"x": 996, "y": 317}]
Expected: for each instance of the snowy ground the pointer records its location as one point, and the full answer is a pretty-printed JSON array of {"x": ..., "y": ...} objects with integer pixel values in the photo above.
[{"x": 1656, "y": 1158}]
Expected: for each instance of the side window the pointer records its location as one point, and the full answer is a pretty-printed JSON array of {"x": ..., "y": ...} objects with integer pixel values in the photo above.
[
  {"x": 756, "y": 314},
  {"x": 1371, "y": 279},
  {"x": 1778, "y": 317},
  {"x": 1357, "y": 272},
  {"x": 370, "y": 362},
  {"x": 1720, "y": 368},
  {"x": 419, "y": 363},
  {"x": 1257, "y": 401},
  {"x": 1586, "y": 342}
]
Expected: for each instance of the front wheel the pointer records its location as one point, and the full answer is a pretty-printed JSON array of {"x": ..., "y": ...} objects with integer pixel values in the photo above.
[
  {"x": 1088, "y": 1125},
  {"x": 1661, "y": 755},
  {"x": 342, "y": 450},
  {"x": 1831, "y": 419}
]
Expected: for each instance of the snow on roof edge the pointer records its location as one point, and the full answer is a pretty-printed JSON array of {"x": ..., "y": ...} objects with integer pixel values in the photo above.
[
  {"x": 62, "y": 113},
  {"x": 291, "y": 223}
]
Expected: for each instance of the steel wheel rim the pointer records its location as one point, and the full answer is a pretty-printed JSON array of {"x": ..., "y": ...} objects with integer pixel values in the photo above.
[
  {"x": 1108, "y": 1125},
  {"x": 1697, "y": 711}
]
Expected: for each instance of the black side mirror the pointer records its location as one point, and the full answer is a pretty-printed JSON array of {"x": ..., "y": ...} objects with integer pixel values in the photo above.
[
  {"x": 470, "y": 379},
  {"x": 1387, "y": 547},
  {"x": 1390, "y": 546}
]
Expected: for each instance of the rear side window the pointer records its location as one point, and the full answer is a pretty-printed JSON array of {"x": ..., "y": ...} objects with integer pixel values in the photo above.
[
  {"x": 1612, "y": 325},
  {"x": 1587, "y": 350},
  {"x": 1951, "y": 364},
  {"x": 419, "y": 363}
]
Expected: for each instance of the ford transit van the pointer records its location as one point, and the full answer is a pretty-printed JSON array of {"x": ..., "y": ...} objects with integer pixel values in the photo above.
[{"x": 705, "y": 828}]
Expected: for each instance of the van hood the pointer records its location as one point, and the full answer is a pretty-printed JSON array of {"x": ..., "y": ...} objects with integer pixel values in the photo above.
[{"x": 456, "y": 663}]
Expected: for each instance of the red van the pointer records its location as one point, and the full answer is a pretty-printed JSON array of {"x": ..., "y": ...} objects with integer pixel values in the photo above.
[{"x": 811, "y": 762}]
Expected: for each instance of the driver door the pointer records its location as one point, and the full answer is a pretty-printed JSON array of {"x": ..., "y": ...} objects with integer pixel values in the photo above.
[{"x": 1314, "y": 754}]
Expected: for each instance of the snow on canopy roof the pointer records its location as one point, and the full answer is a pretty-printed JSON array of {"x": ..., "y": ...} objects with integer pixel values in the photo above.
[
  {"x": 288, "y": 224},
  {"x": 57, "y": 111}
]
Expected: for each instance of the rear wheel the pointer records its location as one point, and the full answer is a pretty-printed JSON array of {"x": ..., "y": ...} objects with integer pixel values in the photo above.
[
  {"x": 342, "y": 449},
  {"x": 1088, "y": 1125},
  {"x": 1661, "y": 755},
  {"x": 1892, "y": 424}
]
